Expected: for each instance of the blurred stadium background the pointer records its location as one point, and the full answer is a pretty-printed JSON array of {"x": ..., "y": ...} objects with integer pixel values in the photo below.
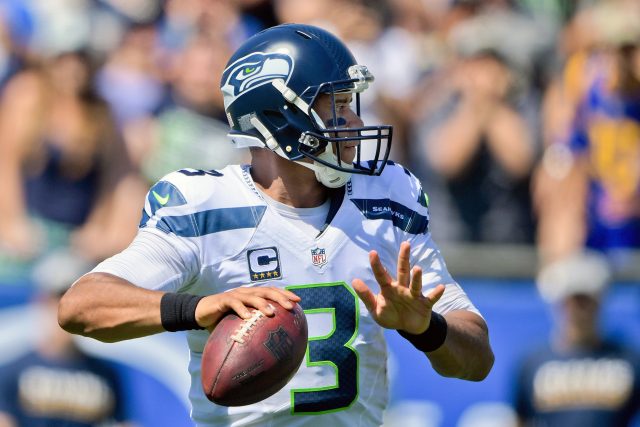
[{"x": 521, "y": 117}]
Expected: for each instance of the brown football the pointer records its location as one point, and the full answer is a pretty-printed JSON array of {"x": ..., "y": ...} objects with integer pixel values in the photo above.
[{"x": 246, "y": 361}]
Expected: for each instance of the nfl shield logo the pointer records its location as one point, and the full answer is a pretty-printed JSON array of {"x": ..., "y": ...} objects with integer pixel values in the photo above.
[
  {"x": 318, "y": 257},
  {"x": 279, "y": 344}
]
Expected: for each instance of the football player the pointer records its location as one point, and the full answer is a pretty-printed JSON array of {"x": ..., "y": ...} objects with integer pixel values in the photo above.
[{"x": 319, "y": 217}]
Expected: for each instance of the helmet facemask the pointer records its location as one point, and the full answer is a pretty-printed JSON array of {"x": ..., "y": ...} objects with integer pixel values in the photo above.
[{"x": 324, "y": 144}]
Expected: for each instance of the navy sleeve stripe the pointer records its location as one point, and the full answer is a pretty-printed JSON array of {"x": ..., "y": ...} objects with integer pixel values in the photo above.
[
  {"x": 145, "y": 218},
  {"x": 212, "y": 221}
]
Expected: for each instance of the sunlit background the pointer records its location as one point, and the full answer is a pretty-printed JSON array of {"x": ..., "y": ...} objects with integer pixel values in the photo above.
[{"x": 521, "y": 118}]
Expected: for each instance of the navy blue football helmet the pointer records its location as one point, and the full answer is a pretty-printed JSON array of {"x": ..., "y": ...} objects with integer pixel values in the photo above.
[{"x": 270, "y": 86}]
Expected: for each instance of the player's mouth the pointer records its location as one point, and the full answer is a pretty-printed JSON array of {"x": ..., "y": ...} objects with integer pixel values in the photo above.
[{"x": 348, "y": 152}]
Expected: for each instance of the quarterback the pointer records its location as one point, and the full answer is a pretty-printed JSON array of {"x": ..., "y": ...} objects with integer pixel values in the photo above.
[{"x": 320, "y": 217}]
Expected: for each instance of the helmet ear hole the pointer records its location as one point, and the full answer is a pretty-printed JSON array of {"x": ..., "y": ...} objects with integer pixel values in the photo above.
[
  {"x": 275, "y": 118},
  {"x": 287, "y": 124}
]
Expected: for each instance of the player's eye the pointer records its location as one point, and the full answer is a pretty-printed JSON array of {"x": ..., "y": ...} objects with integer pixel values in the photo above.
[{"x": 342, "y": 107}]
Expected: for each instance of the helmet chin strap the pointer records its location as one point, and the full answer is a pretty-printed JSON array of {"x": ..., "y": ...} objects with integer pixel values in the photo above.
[{"x": 327, "y": 176}]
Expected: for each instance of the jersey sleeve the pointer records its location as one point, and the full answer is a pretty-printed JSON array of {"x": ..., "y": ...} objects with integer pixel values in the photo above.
[
  {"x": 161, "y": 257},
  {"x": 414, "y": 206},
  {"x": 426, "y": 254},
  {"x": 155, "y": 261}
]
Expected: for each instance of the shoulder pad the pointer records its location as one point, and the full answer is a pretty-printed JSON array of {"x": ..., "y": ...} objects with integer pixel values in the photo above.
[
  {"x": 178, "y": 188},
  {"x": 396, "y": 182},
  {"x": 192, "y": 203},
  {"x": 396, "y": 195}
]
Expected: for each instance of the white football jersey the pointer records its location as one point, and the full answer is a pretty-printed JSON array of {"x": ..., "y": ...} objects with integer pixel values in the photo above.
[{"x": 209, "y": 232}]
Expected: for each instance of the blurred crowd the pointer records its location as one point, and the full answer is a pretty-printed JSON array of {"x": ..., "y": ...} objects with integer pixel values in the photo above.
[{"x": 521, "y": 117}]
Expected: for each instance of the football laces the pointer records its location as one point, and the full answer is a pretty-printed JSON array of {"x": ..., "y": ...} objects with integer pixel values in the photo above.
[{"x": 242, "y": 332}]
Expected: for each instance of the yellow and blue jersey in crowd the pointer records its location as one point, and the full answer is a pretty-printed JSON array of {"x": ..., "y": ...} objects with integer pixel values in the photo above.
[{"x": 606, "y": 130}]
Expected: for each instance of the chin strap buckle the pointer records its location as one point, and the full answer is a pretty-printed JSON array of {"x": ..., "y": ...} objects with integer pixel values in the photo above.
[{"x": 309, "y": 140}]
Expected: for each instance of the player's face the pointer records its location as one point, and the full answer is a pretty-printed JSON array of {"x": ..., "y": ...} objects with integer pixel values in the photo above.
[{"x": 345, "y": 117}]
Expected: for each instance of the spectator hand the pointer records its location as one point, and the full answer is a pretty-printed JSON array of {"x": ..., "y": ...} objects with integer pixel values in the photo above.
[{"x": 400, "y": 303}]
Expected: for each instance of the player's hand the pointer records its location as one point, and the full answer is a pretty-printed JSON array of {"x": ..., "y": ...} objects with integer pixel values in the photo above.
[
  {"x": 400, "y": 303},
  {"x": 212, "y": 308}
]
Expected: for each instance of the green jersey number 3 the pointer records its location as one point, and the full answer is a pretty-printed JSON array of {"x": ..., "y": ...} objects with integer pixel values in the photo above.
[{"x": 333, "y": 349}]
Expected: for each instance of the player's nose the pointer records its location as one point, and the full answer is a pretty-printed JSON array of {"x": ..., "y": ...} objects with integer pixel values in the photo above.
[{"x": 352, "y": 119}]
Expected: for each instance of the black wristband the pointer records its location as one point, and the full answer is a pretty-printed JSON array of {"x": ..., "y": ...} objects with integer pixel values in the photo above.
[
  {"x": 178, "y": 311},
  {"x": 431, "y": 339}
]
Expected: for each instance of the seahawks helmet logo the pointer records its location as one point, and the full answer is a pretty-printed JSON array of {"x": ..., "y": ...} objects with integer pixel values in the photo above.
[{"x": 255, "y": 70}]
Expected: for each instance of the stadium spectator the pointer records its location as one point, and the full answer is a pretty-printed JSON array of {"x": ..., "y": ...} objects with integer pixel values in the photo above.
[
  {"x": 588, "y": 183},
  {"x": 131, "y": 80},
  {"x": 66, "y": 177},
  {"x": 190, "y": 128},
  {"x": 56, "y": 384},
  {"x": 474, "y": 116},
  {"x": 10, "y": 60},
  {"x": 475, "y": 150},
  {"x": 580, "y": 378}
]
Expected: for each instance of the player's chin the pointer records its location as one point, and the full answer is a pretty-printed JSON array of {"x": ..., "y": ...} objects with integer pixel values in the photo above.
[{"x": 347, "y": 154}]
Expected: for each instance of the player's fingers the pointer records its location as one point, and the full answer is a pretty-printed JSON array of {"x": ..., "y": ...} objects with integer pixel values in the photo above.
[
  {"x": 291, "y": 295},
  {"x": 262, "y": 304},
  {"x": 281, "y": 296},
  {"x": 238, "y": 306},
  {"x": 382, "y": 276},
  {"x": 287, "y": 294},
  {"x": 365, "y": 294},
  {"x": 435, "y": 294},
  {"x": 284, "y": 298},
  {"x": 416, "y": 282},
  {"x": 403, "y": 264}
]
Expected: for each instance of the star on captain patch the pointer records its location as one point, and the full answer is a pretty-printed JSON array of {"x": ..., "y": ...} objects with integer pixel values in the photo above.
[{"x": 318, "y": 257}]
